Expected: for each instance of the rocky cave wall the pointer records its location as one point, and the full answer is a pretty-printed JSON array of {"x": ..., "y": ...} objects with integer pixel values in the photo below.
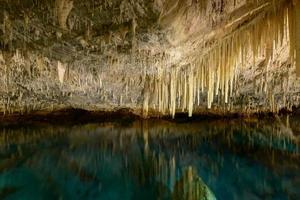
[{"x": 155, "y": 57}]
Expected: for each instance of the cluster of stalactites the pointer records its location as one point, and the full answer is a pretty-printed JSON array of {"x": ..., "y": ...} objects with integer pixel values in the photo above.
[
  {"x": 181, "y": 89},
  {"x": 214, "y": 73},
  {"x": 294, "y": 32}
]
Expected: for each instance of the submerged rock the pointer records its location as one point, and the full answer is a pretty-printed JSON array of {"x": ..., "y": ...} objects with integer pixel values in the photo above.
[{"x": 190, "y": 186}]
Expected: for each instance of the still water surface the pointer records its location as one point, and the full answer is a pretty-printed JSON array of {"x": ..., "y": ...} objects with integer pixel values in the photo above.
[{"x": 151, "y": 160}]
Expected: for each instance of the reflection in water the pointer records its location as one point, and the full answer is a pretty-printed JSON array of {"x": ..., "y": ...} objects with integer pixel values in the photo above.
[{"x": 151, "y": 160}]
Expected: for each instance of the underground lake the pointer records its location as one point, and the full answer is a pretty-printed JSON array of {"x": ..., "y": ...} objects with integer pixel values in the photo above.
[
  {"x": 152, "y": 159},
  {"x": 149, "y": 99}
]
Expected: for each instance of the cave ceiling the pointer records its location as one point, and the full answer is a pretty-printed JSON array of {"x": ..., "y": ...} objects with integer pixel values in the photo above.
[{"x": 155, "y": 57}]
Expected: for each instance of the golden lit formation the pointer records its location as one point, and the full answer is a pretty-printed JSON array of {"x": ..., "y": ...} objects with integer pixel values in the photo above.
[{"x": 155, "y": 58}]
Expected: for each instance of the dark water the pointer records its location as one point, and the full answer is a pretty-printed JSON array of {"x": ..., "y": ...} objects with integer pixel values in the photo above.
[{"x": 151, "y": 160}]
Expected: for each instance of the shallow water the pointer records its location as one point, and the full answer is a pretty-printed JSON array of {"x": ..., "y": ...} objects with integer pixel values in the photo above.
[{"x": 151, "y": 160}]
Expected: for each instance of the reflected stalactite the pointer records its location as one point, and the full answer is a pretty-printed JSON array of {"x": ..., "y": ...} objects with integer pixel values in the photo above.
[{"x": 176, "y": 161}]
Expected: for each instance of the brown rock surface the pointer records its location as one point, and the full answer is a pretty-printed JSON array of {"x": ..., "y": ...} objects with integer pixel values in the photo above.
[{"x": 153, "y": 57}]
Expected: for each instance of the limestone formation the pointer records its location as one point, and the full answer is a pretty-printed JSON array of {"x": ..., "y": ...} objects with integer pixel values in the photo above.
[{"x": 154, "y": 57}]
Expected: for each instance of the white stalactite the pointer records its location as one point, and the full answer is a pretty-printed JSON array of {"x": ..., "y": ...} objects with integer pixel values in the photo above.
[{"x": 61, "y": 69}]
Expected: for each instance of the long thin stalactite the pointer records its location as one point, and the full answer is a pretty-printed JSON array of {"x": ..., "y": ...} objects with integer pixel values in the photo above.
[{"x": 213, "y": 73}]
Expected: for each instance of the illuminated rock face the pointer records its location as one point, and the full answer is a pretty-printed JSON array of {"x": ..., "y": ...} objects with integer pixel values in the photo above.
[{"x": 154, "y": 57}]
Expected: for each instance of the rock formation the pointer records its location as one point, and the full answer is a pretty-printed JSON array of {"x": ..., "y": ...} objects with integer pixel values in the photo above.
[{"x": 155, "y": 57}]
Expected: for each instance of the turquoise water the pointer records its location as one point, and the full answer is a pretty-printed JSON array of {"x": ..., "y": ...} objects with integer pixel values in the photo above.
[{"x": 150, "y": 160}]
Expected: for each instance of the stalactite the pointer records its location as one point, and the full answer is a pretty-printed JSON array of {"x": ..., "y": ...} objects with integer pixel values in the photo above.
[
  {"x": 146, "y": 97},
  {"x": 61, "y": 69},
  {"x": 7, "y": 30},
  {"x": 133, "y": 31},
  {"x": 191, "y": 91},
  {"x": 179, "y": 87},
  {"x": 121, "y": 100},
  {"x": 62, "y": 10},
  {"x": 198, "y": 90},
  {"x": 202, "y": 78},
  {"x": 213, "y": 73},
  {"x": 297, "y": 36},
  {"x": 184, "y": 97},
  {"x": 173, "y": 86}
]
